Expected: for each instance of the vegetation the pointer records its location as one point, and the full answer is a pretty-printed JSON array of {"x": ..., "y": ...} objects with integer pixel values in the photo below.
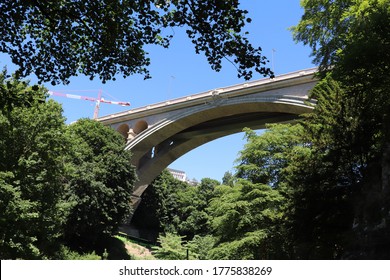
[
  {"x": 57, "y": 40},
  {"x": 317, "y": 189},
  {"x": 32, "y": 171},
  {"x": 171, "y": 206},
  {"x": 100, "y": 185},
  {"x": 59, "y": 185}
]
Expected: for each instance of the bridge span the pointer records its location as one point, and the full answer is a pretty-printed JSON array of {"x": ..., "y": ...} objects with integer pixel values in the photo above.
[{"x": 160, "y": 133}]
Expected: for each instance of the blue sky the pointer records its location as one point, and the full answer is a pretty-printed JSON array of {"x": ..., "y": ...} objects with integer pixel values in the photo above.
[{"x": 178, "y": 71}]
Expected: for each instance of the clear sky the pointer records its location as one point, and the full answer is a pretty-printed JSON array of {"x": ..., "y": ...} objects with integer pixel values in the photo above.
[{"x": 178, "y": 71}]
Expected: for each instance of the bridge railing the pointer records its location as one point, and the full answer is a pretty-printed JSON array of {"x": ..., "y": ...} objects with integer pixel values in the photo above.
[{"x": 210, "y": 93}]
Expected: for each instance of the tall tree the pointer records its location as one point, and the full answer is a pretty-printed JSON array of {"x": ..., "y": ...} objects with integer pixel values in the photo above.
[
  {"x": 272, "y": 159},
  {"x": 322, "y": 178},
  {"x": 101, "y": 184},
  {"x": 32, "y": 171},
  {"x": 193, "y": 203},
  {"x": 160, "y": 204},
  {"x": 351, "y": 38},
  {"x": 228, "y": 179},
  {"x": 56, "y": 181},
  {"x": 264, "y": 156},
  {"x": 342, "y": 30},
  {"x": 245, "y": 220},
  {"x": 57, "y": 40}
]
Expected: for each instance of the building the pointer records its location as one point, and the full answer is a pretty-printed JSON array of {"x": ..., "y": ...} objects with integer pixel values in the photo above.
[{"x": 178, "y": 174}]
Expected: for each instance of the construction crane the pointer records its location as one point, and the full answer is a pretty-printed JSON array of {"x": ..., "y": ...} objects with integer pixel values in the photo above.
[{"x": 97, "y": 100}]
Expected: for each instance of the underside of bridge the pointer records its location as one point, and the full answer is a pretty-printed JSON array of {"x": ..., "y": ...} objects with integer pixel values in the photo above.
[{"x": 206, "y": 127}]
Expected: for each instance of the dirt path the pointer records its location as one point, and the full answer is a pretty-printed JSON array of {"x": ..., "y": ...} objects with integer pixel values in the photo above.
[{"x": 138, "y": 251}]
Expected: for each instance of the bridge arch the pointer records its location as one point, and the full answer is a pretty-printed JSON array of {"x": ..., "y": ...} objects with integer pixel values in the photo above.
[
  {"x": 168, "y": 130},
  {"x": 157, "y": 147}
]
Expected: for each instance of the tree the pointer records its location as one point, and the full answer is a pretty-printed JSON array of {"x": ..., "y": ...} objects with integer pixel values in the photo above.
[
  {"x": 172, "y": 247},
  {"x": 100, "y": 185},
  {"x": 191, "y": 213},
  {"x": 312, "y": 165},
  {"x": 159, "y": 207},
  {"x": 228, "y": 179},
  {"x": 322, "y": 178},
  {"x": 351, "y": 38},
  {"x": 170, "y": 205},
  {"x": 32, "y": 171},
  {"x": 57, "y": 182},
  {"x": 192, "y": 210},
  {"x": 333, "y": 28},
  {"x": 57, "y": 40},
  {"x": 324, "y": 27},
  {"x": 264, "y": 157},
  {"x": 200, "y": 246},
  {"x": 245, "y": 221}
]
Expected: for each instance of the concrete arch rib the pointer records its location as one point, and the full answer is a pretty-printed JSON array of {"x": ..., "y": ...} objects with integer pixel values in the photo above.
[
  {"x": 187, "y": 141},
  {"x": 192, "y": 116},
  {"x": 196, "y": 126}
]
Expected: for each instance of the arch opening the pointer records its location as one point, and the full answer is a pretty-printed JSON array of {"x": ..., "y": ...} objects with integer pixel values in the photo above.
[
  {"x": 195, "y": 136},
  {"x": 190, "y": 129}
]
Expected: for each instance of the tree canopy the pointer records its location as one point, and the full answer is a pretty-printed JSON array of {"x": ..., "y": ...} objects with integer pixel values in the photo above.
[
  {"x": 100, "y": 185},
  {"x": 60, "y": 186},
  {"x": 333, "y": 28},
  {"x": 60, "y": 39},
  {"x": 32, "y": 171}
]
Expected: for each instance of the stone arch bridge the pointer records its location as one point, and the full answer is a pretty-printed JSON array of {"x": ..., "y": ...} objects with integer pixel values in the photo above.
[{"x": 160, "y": 133}]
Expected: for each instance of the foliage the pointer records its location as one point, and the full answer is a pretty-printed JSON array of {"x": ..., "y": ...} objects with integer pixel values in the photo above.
[
  {"x": 360, "y": 59},
  {"x": 159, "y": 205},
  {"x": 56, "y": 182},
  {"x": 193, "y": 203},
  {"x": 171, "y": 248},
  {"x": 200, "y": 246},
  {"x": 32, "y": 171},
  {"x": 101, "y": 183},
  {"x": 354, "y": 128},
  {"x": 263, "y": 158},
  {"x": 67, "y": 254},
  {"x": 16, "y": 214},
  {"x": 169, "y": 205},
  {"x": 363, "y": 67},
  {"x": 245, "y": 221},
  {"x": 228, "y": 179},
  {"x": 57, "y": 40},
  {"x": 324, "y": 27}
]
